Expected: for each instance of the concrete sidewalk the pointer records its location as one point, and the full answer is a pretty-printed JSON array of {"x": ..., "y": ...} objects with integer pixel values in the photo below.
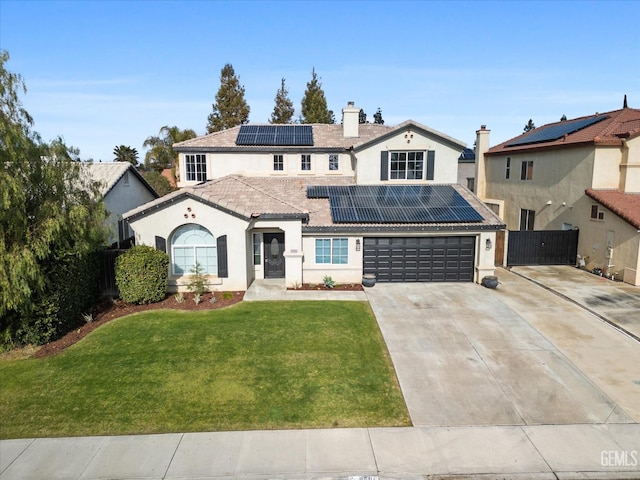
[{"x": 516, "y": 452}]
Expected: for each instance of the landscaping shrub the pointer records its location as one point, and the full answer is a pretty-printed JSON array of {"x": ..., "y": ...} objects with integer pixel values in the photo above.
[
  {"x": 142, "y": 274},
  {"x": 73, "y": 286}
]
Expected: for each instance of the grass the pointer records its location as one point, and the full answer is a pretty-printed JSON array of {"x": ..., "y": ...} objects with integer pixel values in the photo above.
[{"x": 259, "y": 365}]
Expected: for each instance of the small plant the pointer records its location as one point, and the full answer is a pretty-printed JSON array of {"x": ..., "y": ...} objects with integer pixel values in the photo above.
[
  {"x": 213, "y": 300},
  {"x": 328, "y": 281},
  {"x": 226, "y": 295},
  {"x": 198, "y": 280},
  {"x": 179, "y": 297},
  {"x": 88, "y": 317},
  {"x": 196, "y": 298},
  {"x": 296, "y": 285}
]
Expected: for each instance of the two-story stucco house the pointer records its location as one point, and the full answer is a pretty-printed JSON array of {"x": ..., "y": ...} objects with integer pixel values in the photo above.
[
  {"x": 581, "y": 174},
  {"x": 299, "y": 202}
]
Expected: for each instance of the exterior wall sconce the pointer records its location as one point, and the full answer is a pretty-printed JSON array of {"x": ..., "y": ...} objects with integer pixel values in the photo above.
[
  {"x": 357, "y": 244},
  {"x": 488, "y": 244}
]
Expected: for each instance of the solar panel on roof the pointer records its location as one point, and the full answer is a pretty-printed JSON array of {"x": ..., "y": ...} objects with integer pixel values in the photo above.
[
  {"x": 275, "y": 135},
  {"x": 396, "y": 204},
  {"x": 554, "y": 132}
]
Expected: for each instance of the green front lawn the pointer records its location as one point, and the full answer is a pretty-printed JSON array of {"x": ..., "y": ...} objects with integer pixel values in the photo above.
[{"x": 258, "y": 365}]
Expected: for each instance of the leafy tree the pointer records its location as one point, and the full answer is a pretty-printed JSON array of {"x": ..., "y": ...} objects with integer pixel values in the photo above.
[
  {"x": 283, "y": 109},
  {"x": 314, "y": 103},
  {"x": 126, "y": 154},
  {"x": 158, "y": 182},
  {"x": 377, "y": 117},
  {"x": 231, "y": 108},
  {"x": 362, "y": 117},
  {"x": 161, "y": 154},
  {"x": 563, "y": 118},
  {"x": 49, "y": 211},
  {"x": 529, "y": 126}
]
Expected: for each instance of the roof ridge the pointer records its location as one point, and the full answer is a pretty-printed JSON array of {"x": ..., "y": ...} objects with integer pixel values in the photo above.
[{"x": 239, "y": 179}]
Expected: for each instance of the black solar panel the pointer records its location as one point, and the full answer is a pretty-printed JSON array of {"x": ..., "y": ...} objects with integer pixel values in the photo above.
[
  {"x": 275, "y": 135},
  {"x": 396, "y": 204},
  {"x": 554, "y": 132}
]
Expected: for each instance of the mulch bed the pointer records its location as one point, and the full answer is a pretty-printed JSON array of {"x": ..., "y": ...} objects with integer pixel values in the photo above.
[
  {"x": 351, "y": 287},
  {"x": 107, "y": 310}
]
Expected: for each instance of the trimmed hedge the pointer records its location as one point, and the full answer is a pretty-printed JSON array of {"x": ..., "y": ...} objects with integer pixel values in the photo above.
[
  {"x": 73, "y": 286},
  {"x": 142, "y": 275}
]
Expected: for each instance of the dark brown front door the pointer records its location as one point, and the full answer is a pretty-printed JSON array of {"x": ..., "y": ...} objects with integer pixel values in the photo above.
[{"x": 273, "y": 255}]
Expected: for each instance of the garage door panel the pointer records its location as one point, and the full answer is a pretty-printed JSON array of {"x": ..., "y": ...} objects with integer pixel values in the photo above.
[{"x": 419, "y": 259}]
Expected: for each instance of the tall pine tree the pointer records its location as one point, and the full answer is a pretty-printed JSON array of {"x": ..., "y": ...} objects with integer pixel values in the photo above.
[
  {"x": 231, "y": 108},
  {"x": 283, "y": 109},
  {"x": 314, "y": 103},
  {"x": 362, "y": 116},
  {"x": 529, "y": 126},
  {"x": 377, "y": 117}
]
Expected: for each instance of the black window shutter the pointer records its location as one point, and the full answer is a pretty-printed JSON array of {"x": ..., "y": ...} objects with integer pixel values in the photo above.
[
  {"x": 384, "y": 165},
  {"x": 223, "y": 266},
  {"x": 431, "y": 162},
  {"x": 161, "y": 244}
]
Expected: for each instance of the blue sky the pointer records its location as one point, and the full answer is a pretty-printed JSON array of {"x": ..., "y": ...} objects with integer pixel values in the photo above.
[{"x": 109, "y": 73}]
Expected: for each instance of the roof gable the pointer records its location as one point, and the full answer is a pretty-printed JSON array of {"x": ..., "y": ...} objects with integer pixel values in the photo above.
[
  {"x": 625, "y": 205},
  {"x": 108, "y": 174}
]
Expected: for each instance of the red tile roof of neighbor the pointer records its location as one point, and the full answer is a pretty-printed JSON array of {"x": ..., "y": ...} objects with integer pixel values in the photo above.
[
  {"x": 625, "y": 205},
  {"x": 619, "y": 125}
]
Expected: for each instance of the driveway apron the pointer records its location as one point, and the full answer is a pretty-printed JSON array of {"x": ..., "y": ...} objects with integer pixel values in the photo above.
[{"x": 465, "y": 356}]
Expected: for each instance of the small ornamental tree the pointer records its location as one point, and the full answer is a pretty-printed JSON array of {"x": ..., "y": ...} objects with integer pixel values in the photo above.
[{"x": 142, "y": 275}]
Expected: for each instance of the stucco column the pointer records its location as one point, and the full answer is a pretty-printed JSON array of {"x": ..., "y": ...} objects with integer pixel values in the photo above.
[
  {"x": 482, "y": 145},
  {"x": 486, "y": 255},
  {"x": 293, "y": 273}
]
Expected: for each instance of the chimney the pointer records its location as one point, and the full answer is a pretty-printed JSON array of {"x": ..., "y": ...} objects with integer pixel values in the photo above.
[
  {"x": 350, "y": 120},
  {"x": 482, "y": 145}
]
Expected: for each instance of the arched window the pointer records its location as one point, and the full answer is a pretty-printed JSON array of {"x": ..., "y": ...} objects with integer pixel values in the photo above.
[{"x": 190, "y": 244}]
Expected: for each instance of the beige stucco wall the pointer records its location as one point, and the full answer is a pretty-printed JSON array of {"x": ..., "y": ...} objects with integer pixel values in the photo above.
[
  {"x": 558, "y": 176},
  {"x": 630, "y": 166},
  {"x": 122, "y": 198},
  {"x": 446, "y": 158},
  {"x": 606, "y": 167},
  {"x": 592, "y": 240},
  {"x": 165, "y": 221},
  {"x": 261, "y": 165}
]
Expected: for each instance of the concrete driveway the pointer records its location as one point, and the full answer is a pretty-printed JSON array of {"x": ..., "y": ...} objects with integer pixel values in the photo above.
[{"x": 517, "y": 355}]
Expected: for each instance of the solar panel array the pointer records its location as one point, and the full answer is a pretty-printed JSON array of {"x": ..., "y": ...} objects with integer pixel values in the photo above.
[
  {"x": 275, "y": 135},
  {"x": 396, "y": 204},
  {"x": 559, "y": 130}
]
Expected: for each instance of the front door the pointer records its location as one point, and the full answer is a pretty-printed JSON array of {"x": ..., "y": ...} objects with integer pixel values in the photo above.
[{"x": 273, "y": 255}]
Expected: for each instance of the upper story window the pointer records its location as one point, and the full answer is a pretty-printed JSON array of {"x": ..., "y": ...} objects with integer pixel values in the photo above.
[
  {"x": 406, "y": 165},
  {"x": 196, "y": 167},
  {"x": 278, "y": 163},
  {"x": 305, "y": 163},
  {"x": 334, "y": 162},
  {"x": 597, "y": 213},
  {"x": 526, "y": 173},
  {"x": 507, "y": 172}
]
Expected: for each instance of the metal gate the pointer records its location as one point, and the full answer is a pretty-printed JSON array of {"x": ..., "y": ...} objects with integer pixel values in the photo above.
[{"x": 542, "y": 247}]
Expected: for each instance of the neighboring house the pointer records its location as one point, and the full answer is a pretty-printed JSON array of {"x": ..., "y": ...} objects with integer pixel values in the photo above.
[
  {"x": 299, "y": 202},
  {"x": 467, "y": 168},
  {"x": 581, "y": 174},
  {"x": 122, "y": 188}
]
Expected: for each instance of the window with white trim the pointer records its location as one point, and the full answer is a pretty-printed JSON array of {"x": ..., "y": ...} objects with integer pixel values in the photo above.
[
  {"x": 257, "y": 248},
  {"x": 334, "y": 162},
  {"x": 305, "y": 163},
  {"x": 597, "y": 213},
  {"x": 278, "y": 163},
  {"x": 406, "y": 165},
  {"x": 333, "y": 251},
  {"x": 193, "y": 243},
  {"x": 196, "y": 167}
]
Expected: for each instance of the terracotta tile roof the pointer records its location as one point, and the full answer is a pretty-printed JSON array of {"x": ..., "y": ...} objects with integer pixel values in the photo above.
[
  {"x": 625, "y": 205},
  {"x": 251, "y": 197},
  {"x": 620, "y": 124},
  {"x": 324, "y": 137}
]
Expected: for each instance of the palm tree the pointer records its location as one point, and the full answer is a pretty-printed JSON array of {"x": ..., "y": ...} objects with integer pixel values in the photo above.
[
  {"x": 123, "y": 153},
  {"x": 161, "y": 154}
]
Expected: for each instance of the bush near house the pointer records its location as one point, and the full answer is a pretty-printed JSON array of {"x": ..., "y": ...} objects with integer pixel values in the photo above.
[
  {"x": 142, "y": 275},
  {"x": 73, "y": 286}
]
